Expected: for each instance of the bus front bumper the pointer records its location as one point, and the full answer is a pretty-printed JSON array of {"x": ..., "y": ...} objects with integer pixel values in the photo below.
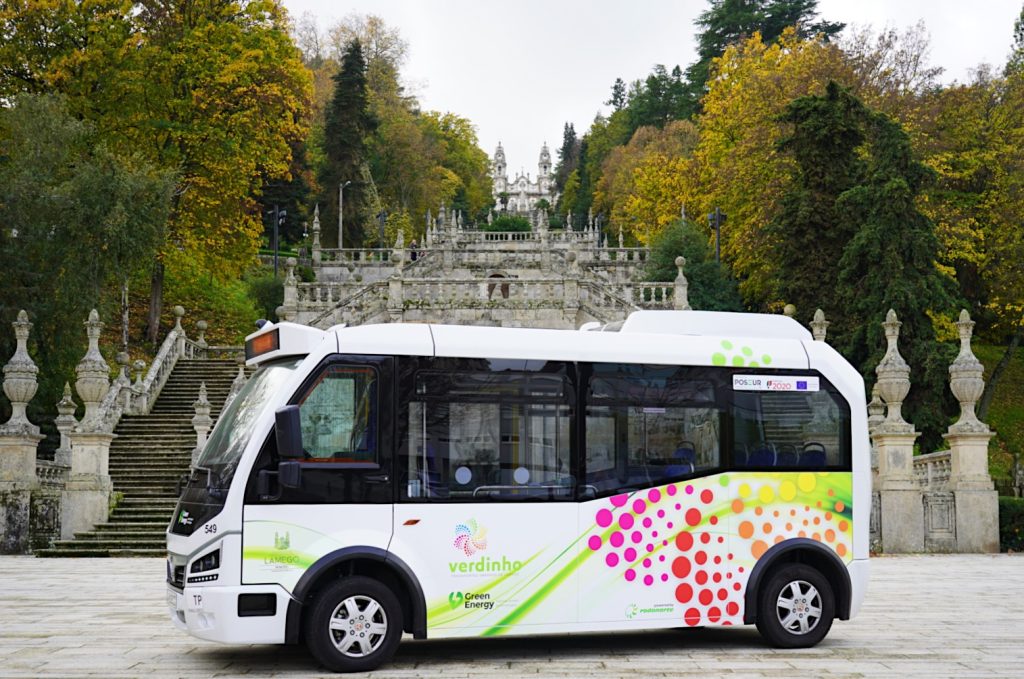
[{"x": 212, "y": 613}]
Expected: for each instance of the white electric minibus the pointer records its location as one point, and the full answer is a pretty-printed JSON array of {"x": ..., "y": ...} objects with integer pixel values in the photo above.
[{"x": 684, "y": 469}]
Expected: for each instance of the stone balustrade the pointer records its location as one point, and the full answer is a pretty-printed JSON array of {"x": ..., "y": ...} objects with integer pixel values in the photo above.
[{"x": 932, "y": 470}]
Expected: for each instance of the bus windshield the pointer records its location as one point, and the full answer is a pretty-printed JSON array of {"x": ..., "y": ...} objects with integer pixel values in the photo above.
[{"x": 224, "y": 448}]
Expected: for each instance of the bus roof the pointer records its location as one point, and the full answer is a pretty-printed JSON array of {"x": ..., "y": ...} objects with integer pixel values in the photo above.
[{"x": 672, "y": 337}]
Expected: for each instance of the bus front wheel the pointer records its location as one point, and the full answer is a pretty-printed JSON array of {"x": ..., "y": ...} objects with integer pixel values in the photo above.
[
  {"x": 355, "y": 625},
  {"x": 795, "y": 607}
]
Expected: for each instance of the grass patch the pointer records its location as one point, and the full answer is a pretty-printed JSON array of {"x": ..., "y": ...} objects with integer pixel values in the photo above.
[{"x": 1006, "y": 414}]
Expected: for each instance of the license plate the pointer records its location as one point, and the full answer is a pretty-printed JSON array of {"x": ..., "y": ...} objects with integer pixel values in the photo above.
[{"x": 172, "y": 600}]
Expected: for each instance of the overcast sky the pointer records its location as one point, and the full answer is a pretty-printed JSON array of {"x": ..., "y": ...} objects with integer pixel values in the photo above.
[{"x": 519, "y": 70}]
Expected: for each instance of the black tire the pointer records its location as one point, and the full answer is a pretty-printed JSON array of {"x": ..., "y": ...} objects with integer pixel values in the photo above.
[
  {"x": 344, "y": 601},
  {"x": 813, "y": 607}
]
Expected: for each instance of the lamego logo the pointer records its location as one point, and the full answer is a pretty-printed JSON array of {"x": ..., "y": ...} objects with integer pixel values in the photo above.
[{"x": 470, "y": 537}]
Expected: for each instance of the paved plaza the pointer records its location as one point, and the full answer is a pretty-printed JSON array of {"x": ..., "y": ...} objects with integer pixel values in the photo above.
[{"x": 954, "y": 616}]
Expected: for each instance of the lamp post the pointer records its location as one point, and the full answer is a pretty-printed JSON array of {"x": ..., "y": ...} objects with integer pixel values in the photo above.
[
  {"x": 279, "y": 217},
  {"x": 715, "y": 219},
  {"x": 341, "y": 212}
]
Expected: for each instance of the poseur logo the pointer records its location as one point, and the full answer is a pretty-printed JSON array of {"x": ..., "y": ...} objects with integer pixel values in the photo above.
[{"x": 470, "y": 537}]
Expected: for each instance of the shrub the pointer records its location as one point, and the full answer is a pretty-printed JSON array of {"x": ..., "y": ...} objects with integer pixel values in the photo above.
[
  {"x": 508, "y": 223},
  {"x": 267, "y": 292},
  {"x": 1011, "y": 524}
]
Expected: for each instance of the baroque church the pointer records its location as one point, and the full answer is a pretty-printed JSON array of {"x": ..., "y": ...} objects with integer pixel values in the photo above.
[{"x": 523, "y": 192}]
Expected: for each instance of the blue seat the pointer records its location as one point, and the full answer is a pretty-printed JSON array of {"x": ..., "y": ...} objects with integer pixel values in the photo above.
[
  {"x": 813, "y": 455},
  {"x": 761, "y": 457}
]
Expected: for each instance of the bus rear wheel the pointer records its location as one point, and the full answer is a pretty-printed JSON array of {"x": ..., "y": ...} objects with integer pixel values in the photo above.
[
  {"x": 795, "y": 607},
  {"x": 355, "y": 625}
]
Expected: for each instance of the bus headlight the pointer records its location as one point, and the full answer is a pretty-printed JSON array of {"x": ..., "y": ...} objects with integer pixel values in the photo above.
[{"x": 207, "y": 562}]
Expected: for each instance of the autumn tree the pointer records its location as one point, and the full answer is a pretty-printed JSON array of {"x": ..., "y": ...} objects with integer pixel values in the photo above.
[
  {"x": 728, "y": 22},
  {"x": 347, "y": 127}
]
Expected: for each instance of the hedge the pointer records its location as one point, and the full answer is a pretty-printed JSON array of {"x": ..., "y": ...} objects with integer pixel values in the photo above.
[{"x": 1011, "y": 524}]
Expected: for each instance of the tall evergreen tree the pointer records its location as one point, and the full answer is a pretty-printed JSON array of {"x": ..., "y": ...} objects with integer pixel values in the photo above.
[
  {"x": 1015, "y": 63},
  {"x": 618, "y": 98},
  {"x": 568, "y": 156},
  {"x": 808, "y": 237},
  {"x": 728, "y": 21},
  {"x": 890, "y": 263},
  {"x": 347, "y": 126}
]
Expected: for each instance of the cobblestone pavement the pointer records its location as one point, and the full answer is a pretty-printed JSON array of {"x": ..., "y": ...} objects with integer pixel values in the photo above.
[{"x": 934, "y": 616}]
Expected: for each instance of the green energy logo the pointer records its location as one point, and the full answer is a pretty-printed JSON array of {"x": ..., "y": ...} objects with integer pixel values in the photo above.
[
  {"x": 742, "y": 358},
  {"x": 184, "y": 519},
  {"x": 470, "y": 600},
  {"x": 282, "y": 541},
  {"x": 631, "y": 611}
]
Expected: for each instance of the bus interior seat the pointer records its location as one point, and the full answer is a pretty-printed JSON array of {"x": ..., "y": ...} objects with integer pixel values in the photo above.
[
  {"x": 813, "y": 455},
  {"x": 763, "y": 456},
  {"x": 684, "y": 460},
  {"x": 787, "y": 456}
]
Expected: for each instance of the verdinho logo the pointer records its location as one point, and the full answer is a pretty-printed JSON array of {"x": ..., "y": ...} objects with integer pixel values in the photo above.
[{"x": 470, "y": 537}]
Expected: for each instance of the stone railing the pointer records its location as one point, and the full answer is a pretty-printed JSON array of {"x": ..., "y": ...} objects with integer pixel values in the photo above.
[
  {"x": 51, "y": 474},
  {"x": 652, "y": 295},
  {"x": 356, "y": 255},
  {"x": 932, "y": 470}
]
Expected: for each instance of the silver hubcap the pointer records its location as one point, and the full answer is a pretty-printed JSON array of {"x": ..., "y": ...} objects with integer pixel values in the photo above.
[
  {"x": 358, "y": 626},
  {"x": 799, "y": 607}
]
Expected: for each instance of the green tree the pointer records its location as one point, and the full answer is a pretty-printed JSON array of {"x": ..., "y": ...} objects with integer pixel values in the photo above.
[
  {"x": 568, "y": 156},
  {"x": 711, "y": 288},
  {"x": 808, "y": 234},
  {"x": 890, "y": 263},
  {"x": 348, "y": 124},
  {"x": 618, "y": 98},
  {"x": 1015, "y": 63},
  {"x": 78, "y": 222}
]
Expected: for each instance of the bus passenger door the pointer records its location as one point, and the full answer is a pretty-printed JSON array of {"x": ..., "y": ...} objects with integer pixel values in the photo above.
[
  {"x": 344, "y": 498},
  {"x": 486, "y": 517}
]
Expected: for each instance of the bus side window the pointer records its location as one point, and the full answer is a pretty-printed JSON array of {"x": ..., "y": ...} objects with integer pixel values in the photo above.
[
  {"x": 488, "y": 435},
  {"x": 648, "y": 425},
  {"x": 789, "y": 430}
]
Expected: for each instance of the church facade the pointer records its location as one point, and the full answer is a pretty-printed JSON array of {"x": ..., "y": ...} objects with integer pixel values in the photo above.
[{"x": 523, "y": 192}]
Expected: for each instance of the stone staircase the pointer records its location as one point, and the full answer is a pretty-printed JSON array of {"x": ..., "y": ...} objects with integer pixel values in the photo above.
[{"x": 148, "y": 457}]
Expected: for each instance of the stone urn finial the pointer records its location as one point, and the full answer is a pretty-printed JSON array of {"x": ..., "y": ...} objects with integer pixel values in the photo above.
[
  {"x": 124, "y": 361},
  {"x": 876, "y": 408},
  {"x": 966, "y": 379},
  {"x": 140, "y": 367},
  {"x": 93, "y": 381},
  {"x": 20, "y": 383},
  {"x": 819, "y": 326},
  {"x": 789, "y": 310},
  {"x": 201, "y": 326},
  {"x": 179, "y": 311},
  {"x": 65, "y": 422},
  {"x": 893, "y": 377}
]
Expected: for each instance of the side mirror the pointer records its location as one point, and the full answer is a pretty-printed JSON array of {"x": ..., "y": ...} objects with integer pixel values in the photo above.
[
  {"x": 288, "y": 429},
  {"x": 289, "y": 474}
]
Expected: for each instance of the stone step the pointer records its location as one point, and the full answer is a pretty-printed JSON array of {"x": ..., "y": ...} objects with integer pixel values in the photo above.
[
  {"x": 126, "y": 538},
  {"x": 128, "y": 527},
  {"x": 150, "y": 542},
  {"x": 72, "y": 552},
  {"x": 142, "y": 518}
]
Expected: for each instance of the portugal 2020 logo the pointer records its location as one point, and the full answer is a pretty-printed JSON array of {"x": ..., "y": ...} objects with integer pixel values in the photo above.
[{"x": 470, "y": 537}]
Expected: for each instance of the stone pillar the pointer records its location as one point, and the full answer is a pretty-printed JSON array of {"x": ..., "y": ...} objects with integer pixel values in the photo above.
[
  {"x": 572, "y": 287},
  {"x": 876, "y": 415},
  {"x": 201, "y": 422},
  {"x": 291, "y": 291},
  {"x": 902, "y": 504},
  {"x": 317, "y": 256},
  {"x": 138, "y": 389},
  {"x": 65, "y": 422},
  {"x": 18, "y": 441},
  {"x": 819, "y": 326},
  {"x": 239, "y": 381},
  {"x": 977, "y": 506},
  {"x": 179, "y": 332},
  {"x": 680, "y": 294},
  {"x": 396, "y": 302},
  {"x": 86, "y": 496}
]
